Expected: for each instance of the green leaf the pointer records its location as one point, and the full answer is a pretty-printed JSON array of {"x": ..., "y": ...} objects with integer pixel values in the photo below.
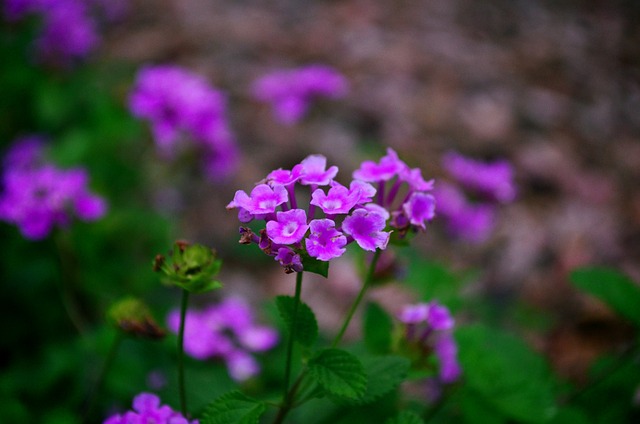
[
  {"x": 405, "y": 417},
  {"x": 306, "y": 327},
  {"x": 233, "y": 408},
  {"x": 506, "y": 373},
  {"x": 612, "y": 287},
  {"x": 378, "y": 327},
  {"x": 384, "y": 374},
  {"x": 314, "y": 265},
  {"x": 339, "y": 373}
]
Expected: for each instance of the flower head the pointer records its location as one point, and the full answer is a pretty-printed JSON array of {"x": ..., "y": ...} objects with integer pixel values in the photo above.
[
  {"x": 228, "y": 331},
  {"x": 38, "y": 196},
  {"x": 181, "y": 106},
  {"x": 291, "y": 92},
  {"x": 339, "y": 199},
  {"x": 147, "y": 409},
  {"x": 314, "y": 171},
  {"x": 494, "y": 180},
  {"x": 428, "y": 329}
]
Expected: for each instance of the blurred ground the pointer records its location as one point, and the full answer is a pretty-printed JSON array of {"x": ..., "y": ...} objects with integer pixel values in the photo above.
[{"x": 552, "y": 86}]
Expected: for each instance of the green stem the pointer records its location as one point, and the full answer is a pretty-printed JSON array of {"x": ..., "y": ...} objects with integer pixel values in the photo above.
[
  {"x": 181, "y": 387},
  {"x": 361, "y": 294},
  {"x": 68, "y": 268},
  {"x": 106, "y": 367},
  {"x": 294, "y": 316},
  {"x": 289, "y": 394}
]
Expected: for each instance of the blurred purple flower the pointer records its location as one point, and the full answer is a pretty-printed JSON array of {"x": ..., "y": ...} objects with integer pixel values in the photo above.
[
  {"x": 290, "y": 92},
  {"x": 428, "y": 328},
  {"x": 227, "y": 331},
  {"x": 38, "y": 196},
  {"x": 69, "y": 31},
  {"x": 181, "y": 107},
  {"x": 468, "y": 221},
  {"x": 147, "y": 409},
  {"x": 494, "y": 180}
]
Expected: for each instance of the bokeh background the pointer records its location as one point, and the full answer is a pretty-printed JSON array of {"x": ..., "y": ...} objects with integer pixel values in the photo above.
[{"x": 552, "y": 86}]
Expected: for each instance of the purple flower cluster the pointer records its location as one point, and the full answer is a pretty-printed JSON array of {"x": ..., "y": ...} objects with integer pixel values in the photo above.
[
  {"x": 429, "y": 329},
  {"x": 182, "y": 106},
  {"x": 490, "y": 183},
  {"x": 290, "y": 92},
  {"x": 69, "y": 30},
  {"x": 148, "y": 410},
  {"x": 384, "y": 194},
  {"x": 226, "y": 330},
  {"x": 38, "y": 196}
]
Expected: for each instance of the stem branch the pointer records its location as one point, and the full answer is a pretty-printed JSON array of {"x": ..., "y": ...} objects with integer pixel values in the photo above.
[{"x": 181, "y": 387}]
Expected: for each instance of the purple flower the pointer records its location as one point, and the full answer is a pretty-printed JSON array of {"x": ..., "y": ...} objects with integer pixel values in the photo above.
[
  {"x": 227, "y": 331},
  {"x": 263, "y": 199},
  {"x": 447, "y": 351},
  {"x": 314, "y": 171},
  {"x": 388, "y": 167},
  {"x": 414, "y": 178},
  {"x": 366, "y": 229},
  {"x": 284, "y": 177},
  {"x": 182, "y": 107},
  {"x": 471, "y": 222},
  {"x": 494, "y": 180},
  {"x": 339, "y": 200},
  {"x": 289, "y": 227},
  {"x": 428, "y": 328},
  {"x": 325, "y": 242},
  {"x": 37, "y": 197},
  {"x": 69, "y": 31},
  {"x": 355, "y": 214},
  {"x": 291, "y": 92},
  {"x": 419, "y": 208},
  {"x": 147, "y": 409}
]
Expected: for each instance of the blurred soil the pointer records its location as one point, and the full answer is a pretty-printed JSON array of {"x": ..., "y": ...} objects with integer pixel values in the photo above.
[{"x": 553, "y": 86}]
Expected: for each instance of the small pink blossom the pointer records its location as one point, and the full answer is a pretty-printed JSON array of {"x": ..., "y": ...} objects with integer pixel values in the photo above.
[
  {"x": 388, "y": 167},
  {"x": 263, "y": 199},
  {"x": 339, "y": 199},
  {"x": 366, "y": 229},
  {"x": 325, "y": 242},
  {"x": 314, "y": 171},
  {"x": 289, "y": 227},
  {"x": 420, "y": 208}
]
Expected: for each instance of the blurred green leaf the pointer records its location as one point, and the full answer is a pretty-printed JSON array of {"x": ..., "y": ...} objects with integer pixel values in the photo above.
[
  {"x": 383, "y": 375},
  {"x": 378, "y": 327},
  {"x": 233, "y": 408},
  {"x": 612, "y": 287},
  {"x": 506, "y": 373},
  {"x": 405, "y": 417},
  {"x": 314, "y": 265}
]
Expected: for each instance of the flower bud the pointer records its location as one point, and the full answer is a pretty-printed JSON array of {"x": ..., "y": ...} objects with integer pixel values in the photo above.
[{"x": 132, "y": 316}]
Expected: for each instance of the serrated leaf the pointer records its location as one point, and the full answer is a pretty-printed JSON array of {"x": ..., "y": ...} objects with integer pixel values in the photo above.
[
  {"x": 405, "y": 417},
  {"x": 314, "y": 265},
  {"x": 378, "y": 327},
  {"x": 612, "y": 287},
  {"x": 506, "y": 373},
  {"x": 384, "y": 374},
  {"x": 233, "y": 408},
  {"x": 339, "y": 373},
  {"x": 305, "y": 326}
]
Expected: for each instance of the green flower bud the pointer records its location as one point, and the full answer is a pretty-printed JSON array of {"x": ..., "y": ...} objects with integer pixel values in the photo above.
[
  {"x": 134, "y": 317},
  {"x": 193, "y": 267}
]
